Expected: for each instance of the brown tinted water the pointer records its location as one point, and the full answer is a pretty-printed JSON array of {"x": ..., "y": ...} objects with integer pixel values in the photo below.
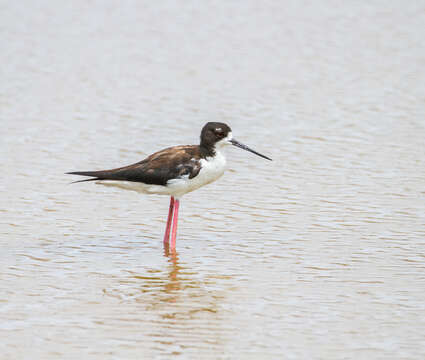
[{"x": 316, "y": 255}]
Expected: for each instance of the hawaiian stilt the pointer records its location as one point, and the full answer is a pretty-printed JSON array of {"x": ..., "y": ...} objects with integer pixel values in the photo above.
[{"x": 174, "y": 171}]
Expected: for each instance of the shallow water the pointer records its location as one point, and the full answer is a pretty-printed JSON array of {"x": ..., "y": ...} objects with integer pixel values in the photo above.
[{"x": 318, "y": 254}]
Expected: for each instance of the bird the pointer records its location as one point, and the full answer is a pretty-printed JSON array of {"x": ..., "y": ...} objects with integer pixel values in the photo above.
[{"x": 174, "y": 171}]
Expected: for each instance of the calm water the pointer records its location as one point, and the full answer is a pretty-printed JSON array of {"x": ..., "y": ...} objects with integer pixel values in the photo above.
[{"x": 316, "y": 255}]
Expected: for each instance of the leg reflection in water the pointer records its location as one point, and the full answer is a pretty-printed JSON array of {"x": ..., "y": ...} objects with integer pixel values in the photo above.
[{"x": 173, "y": 283}]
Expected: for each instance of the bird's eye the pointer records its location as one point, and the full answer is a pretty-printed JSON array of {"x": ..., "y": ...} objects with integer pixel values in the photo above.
[{"x": 219, "y": 132}]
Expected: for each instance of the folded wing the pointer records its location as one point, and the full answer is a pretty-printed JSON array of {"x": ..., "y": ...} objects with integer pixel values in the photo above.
[{"x": 157, "y": 169}]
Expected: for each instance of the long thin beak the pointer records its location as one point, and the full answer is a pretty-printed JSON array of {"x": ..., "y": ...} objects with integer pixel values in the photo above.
[{"x": 242, "y": 146}]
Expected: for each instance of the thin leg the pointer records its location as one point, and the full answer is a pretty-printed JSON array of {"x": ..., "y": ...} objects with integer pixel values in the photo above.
[
  {"x": 175, "y": 221},
  {"x": 170, "y": 217}
]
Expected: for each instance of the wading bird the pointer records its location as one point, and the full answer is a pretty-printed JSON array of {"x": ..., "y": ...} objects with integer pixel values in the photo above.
[{"x": 174, "y": 171}]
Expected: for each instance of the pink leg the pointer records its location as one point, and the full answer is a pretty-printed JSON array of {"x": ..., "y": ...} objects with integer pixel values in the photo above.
[
  {"x": 175, "y": 221},
  {"x": 170, "y": 217}
]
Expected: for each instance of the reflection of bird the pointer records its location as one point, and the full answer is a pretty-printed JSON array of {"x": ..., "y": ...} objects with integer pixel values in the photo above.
[
  {"x": 174, "y": 171},
  {"x": 173, "y": 280}
]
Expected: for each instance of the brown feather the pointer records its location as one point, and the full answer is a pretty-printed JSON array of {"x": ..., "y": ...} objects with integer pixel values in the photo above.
[{"x": 157, "y": 169}]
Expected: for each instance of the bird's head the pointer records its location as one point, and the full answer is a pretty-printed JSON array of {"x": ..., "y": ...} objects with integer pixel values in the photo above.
[{"x": 217, "y": 135}]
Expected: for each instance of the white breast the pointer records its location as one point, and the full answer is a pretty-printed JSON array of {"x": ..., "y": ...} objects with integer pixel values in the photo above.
[{"x": 211, "y": 169}]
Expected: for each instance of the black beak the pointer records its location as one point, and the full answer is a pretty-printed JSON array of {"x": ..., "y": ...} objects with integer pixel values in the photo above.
[{"x": 242, "y": 146}]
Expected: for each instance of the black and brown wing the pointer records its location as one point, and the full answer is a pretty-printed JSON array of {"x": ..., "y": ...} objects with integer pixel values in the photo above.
[{"x": 157, "y": 169}]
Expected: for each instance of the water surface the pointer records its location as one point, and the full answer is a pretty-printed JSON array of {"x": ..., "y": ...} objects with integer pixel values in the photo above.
[{"x": 316, "y": 255}]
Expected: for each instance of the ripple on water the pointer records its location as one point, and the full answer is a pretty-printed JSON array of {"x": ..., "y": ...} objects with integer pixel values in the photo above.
[{"x": 315, "y": 254}]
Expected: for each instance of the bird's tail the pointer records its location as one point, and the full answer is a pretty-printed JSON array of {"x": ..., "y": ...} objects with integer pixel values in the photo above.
[{"x": 95, "y": 175}]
